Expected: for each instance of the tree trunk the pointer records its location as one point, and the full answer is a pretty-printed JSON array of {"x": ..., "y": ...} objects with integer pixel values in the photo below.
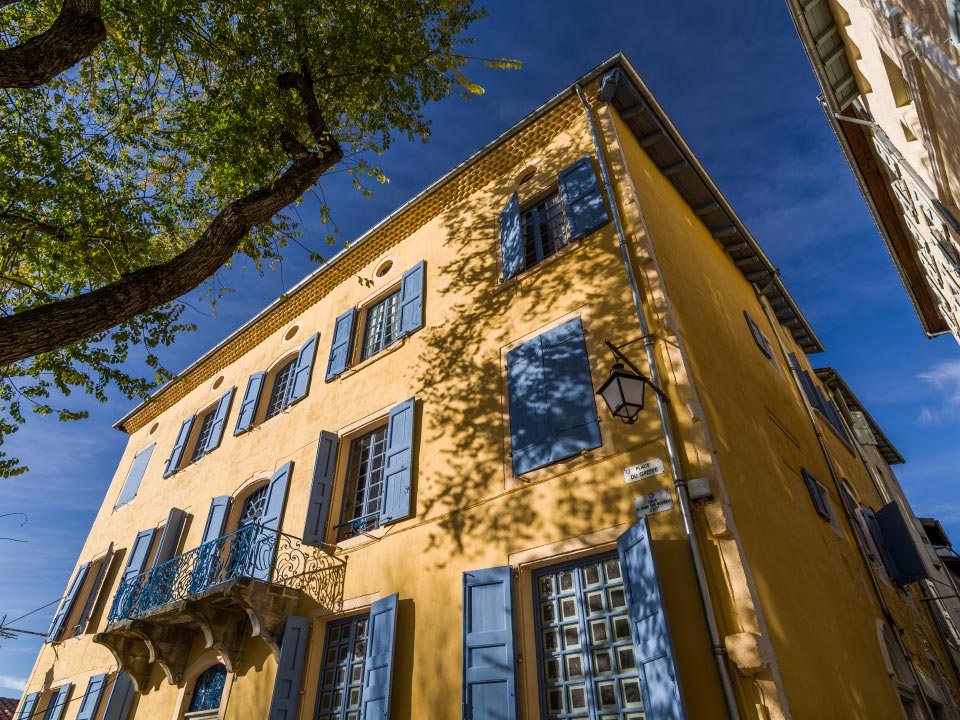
[
  {"x": 73, "y": 36},
  {"x": 46, "y": 328}
]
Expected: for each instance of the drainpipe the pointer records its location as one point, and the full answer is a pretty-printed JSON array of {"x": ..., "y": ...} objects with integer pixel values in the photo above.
[
  {"x": 679, "y": 477},
  {"x": 847, "y": 512},
  {"x": 868, "y": 122},
  {"x": 928, "y": 595}
]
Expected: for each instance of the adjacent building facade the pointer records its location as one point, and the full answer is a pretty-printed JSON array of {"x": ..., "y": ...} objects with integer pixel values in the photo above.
[
  {"x": 404, "y": 498},
  {"x": 890, "y": 74}
]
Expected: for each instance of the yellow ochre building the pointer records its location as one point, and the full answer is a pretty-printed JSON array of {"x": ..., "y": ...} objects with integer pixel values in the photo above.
[{"x": 406, "y": 498}]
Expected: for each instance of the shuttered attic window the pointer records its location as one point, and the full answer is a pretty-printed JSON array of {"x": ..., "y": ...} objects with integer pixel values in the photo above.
[
  {"x": 953, "y": 20},
  {"x": 818, "y": 494},
  {"x": 758, "y": 337}
]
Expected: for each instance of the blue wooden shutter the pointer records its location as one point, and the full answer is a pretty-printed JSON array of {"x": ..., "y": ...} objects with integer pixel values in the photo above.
[
  {"x": 176, "y": 455},
  {"x": 511, "y": 238},
  {"x": 269, "y": 522},
  {"x": 170, "y": 538},
  {"x": 304, "y": 369},
  {"x": 216, "y": 518},
  {"x": 816, "y": 494},
  {"x": 67, "y": 605},
  {"x": 208, "y": 558},
  {"x": 489, "y": 668},
  {"x": 662, "y": 698},
  {"x": 135, "y": 476},
  {"x": 58, "y": 702},
  {"x": 318, "y": 506},
  {"x": 397, "y": 481},
  {"x": 411, "y": 299},
  {"x": 574, "y": 425},
  {"x": 121, "y": 695},
  {"x": 139, "y": 551},
  {"x": 553, "y": 365},
  {"x": 340, "y": 346},
  {"x": 248, "y": 408},
  {"x": 582, "y": 200},
  {"x": 530, "y": 438},
  {"x": 900, "y": 544},
  {"x": 91, "y": 697},
  {"x": 286, "y": 687},
  {"x": 758, "y": 337},
  {"x": 29, "y": 706},
  {"x": 219, "y": 421},
  {"x": 378, "y": 665},
  {"x": 871, "y": 520},
  {"x": 81, "y": 626}
]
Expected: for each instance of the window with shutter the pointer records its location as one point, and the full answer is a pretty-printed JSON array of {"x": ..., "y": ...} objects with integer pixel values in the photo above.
[
  {"x": 135, "y": 476},
  {"x": 537, "y": 228},
  {"x": 200, "y": 434},
  {"x": 553, "y": 411},
  {"x": 818, "y": 494},
  {"x": 758, "y": 336},
  {"x": 379, "y": 474},
  {"x": 586, "y": 660},
  {"x": 340, "y": 692}
]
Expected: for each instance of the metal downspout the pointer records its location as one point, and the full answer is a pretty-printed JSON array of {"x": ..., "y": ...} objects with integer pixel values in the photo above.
[
  {"x": 888, "y": 616},
  {"x": 680, "y": 483},
  {"x": 924, "y": 590}
]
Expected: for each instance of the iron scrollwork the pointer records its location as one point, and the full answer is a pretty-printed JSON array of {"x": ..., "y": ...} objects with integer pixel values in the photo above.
[{"x": 252, "y": 551}]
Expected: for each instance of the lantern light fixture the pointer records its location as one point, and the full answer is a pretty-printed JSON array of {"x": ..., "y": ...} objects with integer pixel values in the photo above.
[{"x": 624, "y": 390}]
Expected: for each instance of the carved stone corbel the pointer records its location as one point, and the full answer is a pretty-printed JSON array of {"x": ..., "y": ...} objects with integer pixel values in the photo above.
[
  {"x": 132, "y": 657},
  {"x": 223, "y": 629},
  {"x": 169, "y": 646}
]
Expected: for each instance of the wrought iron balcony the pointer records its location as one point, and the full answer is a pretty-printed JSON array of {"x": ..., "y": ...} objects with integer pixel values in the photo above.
[{"x": 244, "y": 583}]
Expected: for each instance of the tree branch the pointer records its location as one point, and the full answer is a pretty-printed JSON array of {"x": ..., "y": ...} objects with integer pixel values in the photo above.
[
  {"x": 73, "y": 36},
  {"x": 48, "y": 327}
]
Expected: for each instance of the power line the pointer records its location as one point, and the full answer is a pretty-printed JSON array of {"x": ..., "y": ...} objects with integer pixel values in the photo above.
[{"x": 80, "y": 696}]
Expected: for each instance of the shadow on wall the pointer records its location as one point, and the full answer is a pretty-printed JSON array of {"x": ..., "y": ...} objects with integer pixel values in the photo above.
[{"x": 462, "y": 374}]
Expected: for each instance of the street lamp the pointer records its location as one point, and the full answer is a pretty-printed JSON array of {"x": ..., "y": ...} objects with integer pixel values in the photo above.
[{"x": 623, "y": 391}]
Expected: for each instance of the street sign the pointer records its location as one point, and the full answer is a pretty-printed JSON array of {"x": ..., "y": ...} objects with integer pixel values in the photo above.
[
  {"x": 657, "y": 501},
  {"x": 650, "y": 468}
]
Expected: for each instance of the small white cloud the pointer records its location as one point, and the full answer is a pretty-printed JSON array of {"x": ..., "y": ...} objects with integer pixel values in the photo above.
[
  {"x": 946, "y": 376},
  {"x": 13, "y": 683}
]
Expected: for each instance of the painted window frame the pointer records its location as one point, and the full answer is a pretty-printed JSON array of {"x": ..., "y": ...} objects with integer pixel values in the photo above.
[
  {"x": 388, "y": 332},
  {"x": 281, "y": 388},
  {"x": 344, "y": 526},
  {"x": 338, "y": 624},
  {"x": 550, "y": 205},
  {"x": 586, "y": 647},
  {"x": 204, "y": 427}
]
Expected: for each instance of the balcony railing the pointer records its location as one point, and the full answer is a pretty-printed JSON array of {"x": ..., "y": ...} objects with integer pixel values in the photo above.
[{"x": 252, "y": 552}]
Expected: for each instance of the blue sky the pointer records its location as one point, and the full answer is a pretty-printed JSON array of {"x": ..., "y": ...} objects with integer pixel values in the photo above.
[{"x": 735, "y": 81}]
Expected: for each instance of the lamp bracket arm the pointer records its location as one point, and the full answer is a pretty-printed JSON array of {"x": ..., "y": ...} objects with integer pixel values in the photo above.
[{"x": 617, "y": 353}]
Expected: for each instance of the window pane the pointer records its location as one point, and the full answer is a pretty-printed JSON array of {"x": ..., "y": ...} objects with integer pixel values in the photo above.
[
  {"x": 363, "y": 492},
  {"x": 205, "y": 426},
  {"x": 382, "y": 327},
  {"x": 208, "y": 689},
  {"x": 253, "y": 506},
  {"x": 585, "y": 651},
  {"x": 282, "y": 384},
  {"x": 341, "y": 677},
  {"x": 543, "y": 230}
]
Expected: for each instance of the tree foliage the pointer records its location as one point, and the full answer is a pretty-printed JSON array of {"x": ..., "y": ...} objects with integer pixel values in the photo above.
[{"x": 146, "y": 143}]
